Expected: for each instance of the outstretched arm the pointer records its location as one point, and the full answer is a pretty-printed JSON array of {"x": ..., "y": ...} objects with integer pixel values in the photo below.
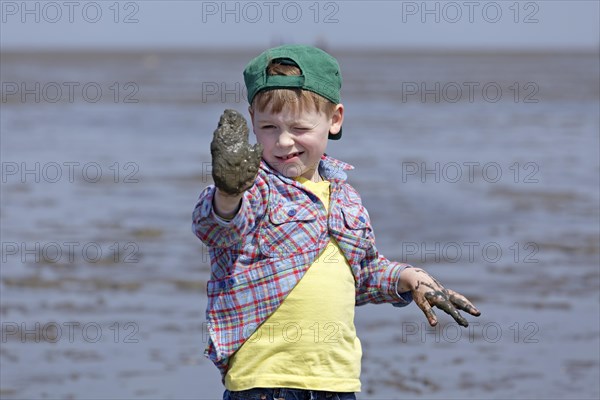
[
  {"x": 427, "y": 292},
  {"x": 238, "y": 196}
]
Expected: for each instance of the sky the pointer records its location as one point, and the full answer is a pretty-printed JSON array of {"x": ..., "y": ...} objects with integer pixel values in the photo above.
[{"x": 162, "y": 24}]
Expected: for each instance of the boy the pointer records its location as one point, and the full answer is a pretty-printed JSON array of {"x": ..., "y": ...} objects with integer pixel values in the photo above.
[{"x": 292, "y": 248}]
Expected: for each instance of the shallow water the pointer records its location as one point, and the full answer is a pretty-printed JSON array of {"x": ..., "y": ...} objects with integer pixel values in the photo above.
[{"x": 499, "y": 199}]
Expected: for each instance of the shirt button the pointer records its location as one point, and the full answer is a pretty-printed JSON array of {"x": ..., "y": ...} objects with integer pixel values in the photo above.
[
  {"x": 362, "y": 219},
  {"x": 291, "y": 213},
  {"x": 231, "y": 281}
]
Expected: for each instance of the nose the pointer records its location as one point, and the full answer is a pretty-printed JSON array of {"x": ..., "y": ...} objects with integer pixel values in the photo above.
[{"x": 285, "y": 139}]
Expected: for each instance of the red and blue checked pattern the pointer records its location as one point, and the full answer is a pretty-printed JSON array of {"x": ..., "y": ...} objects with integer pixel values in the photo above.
[{"x": 281, "y": 228}]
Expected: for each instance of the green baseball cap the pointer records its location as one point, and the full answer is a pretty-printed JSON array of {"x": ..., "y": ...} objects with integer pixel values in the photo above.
[{"x": 320, "y": 73}]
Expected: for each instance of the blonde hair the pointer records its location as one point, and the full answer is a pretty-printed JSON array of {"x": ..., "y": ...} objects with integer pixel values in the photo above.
[{"x": 276, "y": 99}]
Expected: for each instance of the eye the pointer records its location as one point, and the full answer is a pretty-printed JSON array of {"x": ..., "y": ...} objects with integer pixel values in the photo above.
[{"x": 267, "y": 127}]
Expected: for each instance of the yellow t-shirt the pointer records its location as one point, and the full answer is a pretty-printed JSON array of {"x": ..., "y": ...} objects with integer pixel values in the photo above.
[{"x": 310, "y": 341}]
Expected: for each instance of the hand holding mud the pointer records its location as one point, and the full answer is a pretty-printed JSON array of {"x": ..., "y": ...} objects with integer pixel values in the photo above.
[
  {"x": 427, "y": 292},
  {"x": 234, "y": 161}
]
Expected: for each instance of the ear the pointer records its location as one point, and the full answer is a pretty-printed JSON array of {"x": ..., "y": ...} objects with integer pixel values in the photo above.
[{"x": 337, "y": 119}]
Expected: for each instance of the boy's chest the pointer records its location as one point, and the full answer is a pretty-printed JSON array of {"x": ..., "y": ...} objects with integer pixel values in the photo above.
[{"x": 299, "y": 222}]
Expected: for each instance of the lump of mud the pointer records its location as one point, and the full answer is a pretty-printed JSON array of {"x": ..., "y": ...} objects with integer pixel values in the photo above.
[{"x": 234, "y": 161}]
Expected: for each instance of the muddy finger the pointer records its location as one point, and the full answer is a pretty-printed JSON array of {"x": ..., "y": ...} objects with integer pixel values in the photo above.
[
  {"x": 444, "y": 304},
  {"x": 423, "y": 304},
  {"x": 462, "y": 303}
]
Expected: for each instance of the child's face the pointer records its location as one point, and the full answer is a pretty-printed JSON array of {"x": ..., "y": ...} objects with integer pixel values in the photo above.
[{"x": 293, "y": 141}]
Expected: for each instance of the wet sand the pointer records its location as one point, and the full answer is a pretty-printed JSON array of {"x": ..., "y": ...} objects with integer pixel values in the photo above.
[{"x": 103, "y": 283}]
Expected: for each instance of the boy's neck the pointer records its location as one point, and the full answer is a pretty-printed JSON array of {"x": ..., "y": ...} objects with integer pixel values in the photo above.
[{"x": 316, "y": 178}]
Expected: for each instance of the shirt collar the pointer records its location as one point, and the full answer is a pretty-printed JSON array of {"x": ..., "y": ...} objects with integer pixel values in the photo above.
[{"x": 333, "y": 169}]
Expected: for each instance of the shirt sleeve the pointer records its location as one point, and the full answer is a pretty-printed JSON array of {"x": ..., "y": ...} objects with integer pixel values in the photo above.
[
  {"x": 378, "y": 277},
  {"x": 214, "y": 231},
  {"x": 379, "y": 282}
]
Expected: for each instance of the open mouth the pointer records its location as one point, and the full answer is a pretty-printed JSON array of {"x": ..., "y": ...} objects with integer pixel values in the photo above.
[{"x": 290, "y": 156}]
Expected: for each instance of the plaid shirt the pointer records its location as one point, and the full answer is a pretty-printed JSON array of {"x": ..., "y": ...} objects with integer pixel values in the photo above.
[{"x": 262, "y": 253}]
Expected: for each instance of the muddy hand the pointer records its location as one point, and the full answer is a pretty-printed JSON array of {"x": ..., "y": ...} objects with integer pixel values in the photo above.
[
  {"x": 234, "y": 162},
  {"x": 428, "y": 292}
]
